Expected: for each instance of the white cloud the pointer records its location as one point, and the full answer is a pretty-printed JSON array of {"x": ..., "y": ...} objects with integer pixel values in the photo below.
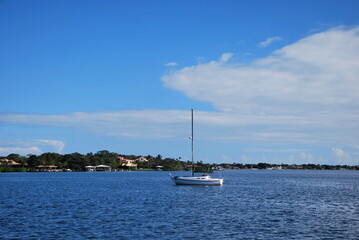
[
  {"x": 318, "y": 71},
  {"x": 344, "y": 157},
  {"x": 57, "y": 145},
  {"x": 33, "y": 146},
  {"x": 217, "y": 126},
  {"x": 338, "y": 152},
  {"x": 306, "y": 92},
  {"x": 152, "y": 124},
  {"x": 226, "y": 56},
  {"x": 309, "y": 89},
  {"x": 171, "y": 64},
  {"x": 269, "y": 41},
  {"x": 19, "y": 150}
]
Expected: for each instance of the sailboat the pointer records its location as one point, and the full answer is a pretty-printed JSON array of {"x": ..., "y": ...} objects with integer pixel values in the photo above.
[{"x": 196, "y": 180}]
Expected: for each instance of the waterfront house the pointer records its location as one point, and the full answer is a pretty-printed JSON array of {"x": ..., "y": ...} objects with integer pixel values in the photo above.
[
  {"x": 89, "y": 168},
  {"x": 102, "y": 168},
  {"x": 4, "y": 162},
  {"x": 8, "y": 165},
  {"x": 47, "y": 168},
  {"x": 127, "y": 163},
  {"x": 159, "y": 168},
  {"x": 142, "y": 159}
]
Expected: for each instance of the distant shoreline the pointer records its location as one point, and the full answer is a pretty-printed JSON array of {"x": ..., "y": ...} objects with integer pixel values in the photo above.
[
  {"x": 152, "y": 170},
  {"x": 111, "y": 161}
]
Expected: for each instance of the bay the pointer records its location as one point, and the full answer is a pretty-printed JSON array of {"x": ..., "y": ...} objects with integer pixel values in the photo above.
[{"x": 286, "y": 204}]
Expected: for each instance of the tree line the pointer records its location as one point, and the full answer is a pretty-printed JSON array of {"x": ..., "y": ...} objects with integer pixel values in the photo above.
[
  {"x": 288, "y": 166},
  {"x": 77, "y": 162}
]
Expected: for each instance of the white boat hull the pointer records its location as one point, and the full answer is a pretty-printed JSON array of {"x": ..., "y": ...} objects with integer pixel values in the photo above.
[{"x": 201, "y": 180}]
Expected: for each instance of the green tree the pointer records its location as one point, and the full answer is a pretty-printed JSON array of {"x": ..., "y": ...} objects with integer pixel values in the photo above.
[
  {"x": 105, "y": 157},
  {"x": 14, "y": 157},
  {"x": 76, "y": 161},
  {"x": 32, "y": 161},
  {"x": 51, "y": 159}
]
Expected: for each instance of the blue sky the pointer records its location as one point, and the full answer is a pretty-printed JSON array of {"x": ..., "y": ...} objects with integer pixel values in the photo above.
[{"x": 270, "y": 81}]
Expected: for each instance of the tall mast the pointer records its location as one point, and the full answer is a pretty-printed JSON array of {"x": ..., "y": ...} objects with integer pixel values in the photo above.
[{"x": 192, "y": 146}]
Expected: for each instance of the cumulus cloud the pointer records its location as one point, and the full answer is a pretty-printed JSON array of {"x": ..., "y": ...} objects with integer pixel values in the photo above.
[
  {"x": 269, "y": 41},
  {"x": 341, "y": 156},
  {"x": 308, "y": 90},
  {"x": 317, "y": 72},
  {"x": 347, "y": 156},
  {"x": 338, "y": 152}
]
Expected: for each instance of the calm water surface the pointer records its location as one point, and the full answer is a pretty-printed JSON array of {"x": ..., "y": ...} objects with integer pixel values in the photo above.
[{"x": 147, "y": 205}]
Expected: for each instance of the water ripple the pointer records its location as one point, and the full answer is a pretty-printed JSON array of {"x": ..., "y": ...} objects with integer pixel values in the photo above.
[{"x": 147, "y": 205}]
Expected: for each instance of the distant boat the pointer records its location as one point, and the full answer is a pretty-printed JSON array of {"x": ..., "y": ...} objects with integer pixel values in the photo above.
[
  {"x": 219, "y": 168},
  {"x": 196, "y": 180}
]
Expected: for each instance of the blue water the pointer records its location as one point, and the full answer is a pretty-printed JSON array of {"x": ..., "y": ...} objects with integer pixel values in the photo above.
[{"x": 147, "y": 205}]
